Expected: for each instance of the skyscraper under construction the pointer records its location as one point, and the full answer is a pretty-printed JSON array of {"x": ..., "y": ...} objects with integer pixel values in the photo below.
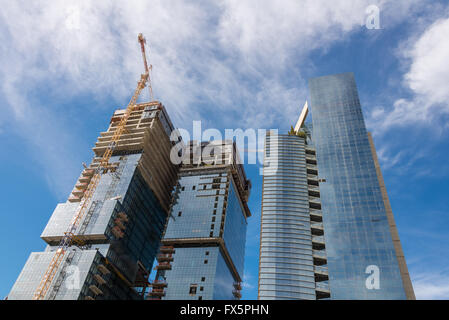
[
  {"x": 117, "y": 239},
  {"x": 203, "y": 248},
  {"x": 102, "y": 242}
]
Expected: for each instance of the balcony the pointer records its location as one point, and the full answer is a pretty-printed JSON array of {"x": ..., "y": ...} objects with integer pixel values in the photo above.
[
  {"x": 317, "y": 228},
  {"x": 99, "y": 279},
  {"x": 157, "y": 292},
  {"x": 312, "y": 180},
  {"x": 315, "y": 215},
  {"x": 167, "y": 249},
  {"x": 321, "y": 254},
  {"x": 95, "y": 290},
  {"x": 103, "y": 269},
  {"x": 312, "y": 176},
  {"x": 81, "y": 185},
  {"x": 318, "y": 242},
  {"x": 318, "y": 239},
  {"x": 73, "y": 198},
  {"x": 321, "y": 273},
  {"x": 119, "y": 224},
  {"x": 164, "y": 257},
  {"x": 159, "y": 284},
  {"x": 84, "y": 179},
  {"x": 310, "y": 152},
  {"x": 314, "y": 203},
  {"x": 314, "y": 193},
  {"x": 314, "y": 188},
  {"x": 117, "y": 232},
  {"x": 78, "y": 193},
  {"x": 122, "y": 216},
  {"x": 316, "y": 200},
  {"x": 323, "y": 285},
  {"x": 322, "y": 290},
  {"x": 163, "y": 266},
  {"x": 312, "y": 166},
  {"x": 321, "y": 270},
  {"x": 317, "y": 225},
  {"x": 88, "y": 172}
]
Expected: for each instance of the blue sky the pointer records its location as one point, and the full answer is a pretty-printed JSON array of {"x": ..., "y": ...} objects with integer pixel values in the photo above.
[{"x": 67, "y": 65}]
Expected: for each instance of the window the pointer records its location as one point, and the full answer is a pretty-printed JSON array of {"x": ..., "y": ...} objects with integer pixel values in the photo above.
[
  {"x": 216, "y": 198},
  {"x": 213, "y": 219},
  {"x": 211, "y": 234},
  {"x": 207, "y": 253},
  {"x": 204, "y": 187},
  {"x": 205, "y": 261},
  {"x": 201, "y": 288},
  {"x": 193, "y": 188},
  {"x": 179, "y": 213},
  {"x": 192, "y": 289},
  {"x": 216, "y": 180},
  {"x": 200, "y": 298},
  {"x": 212, "y": 226},
  {"x": 183, "y": 188},
  {"x": 215, "y": 211}
]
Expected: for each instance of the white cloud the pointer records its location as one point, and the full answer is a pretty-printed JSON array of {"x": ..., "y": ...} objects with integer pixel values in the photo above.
[
  {"x": 429, "y": 71},
  {"x": 388, "y": 161},
  {"x": 239, "y": 62},
  {"x": 247, "y": 280},
  {"x": 200, "y": 52},
  {"x": 431, "y": 286},
  {"x": 427, "y": 79}
]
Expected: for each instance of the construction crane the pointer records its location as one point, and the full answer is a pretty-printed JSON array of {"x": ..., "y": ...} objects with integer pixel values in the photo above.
[
  {"x": 142, "y": 42},
  {"x": 70, "y": 235}
]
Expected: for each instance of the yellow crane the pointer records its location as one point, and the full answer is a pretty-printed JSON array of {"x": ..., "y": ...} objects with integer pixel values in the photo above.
[{"x": 70, "y": 235}]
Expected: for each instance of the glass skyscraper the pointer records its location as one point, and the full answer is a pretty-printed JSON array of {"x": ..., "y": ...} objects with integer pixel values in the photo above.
[
  {"x": 363, "y": 254},
  {"x": 203, "y": 247},
  {"x": 292, "y": 250}
]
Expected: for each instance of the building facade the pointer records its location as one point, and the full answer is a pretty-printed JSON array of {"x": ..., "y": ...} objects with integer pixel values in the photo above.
[
  {"x": 119, "y": 236},
  {"x": 203, "y": 247},
  {"x": 361, "y": 255},
  {"x": 292, "y": 261},
  {"x": 365, "y": 260}
]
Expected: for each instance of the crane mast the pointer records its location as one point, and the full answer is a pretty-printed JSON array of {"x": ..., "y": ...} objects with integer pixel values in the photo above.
[
  {"x": 142, "y": 42},
  {"x": 70, "y": 235}
]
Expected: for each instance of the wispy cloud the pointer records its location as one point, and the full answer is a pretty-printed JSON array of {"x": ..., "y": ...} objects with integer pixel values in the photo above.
[
  {"x": 238, "y": 62},
  {"x": 248, "y": 281},
  {"x": 431, "y": 286},
  {"x": 426, "y": 79},
  {"x": 427, "y": 262}
]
